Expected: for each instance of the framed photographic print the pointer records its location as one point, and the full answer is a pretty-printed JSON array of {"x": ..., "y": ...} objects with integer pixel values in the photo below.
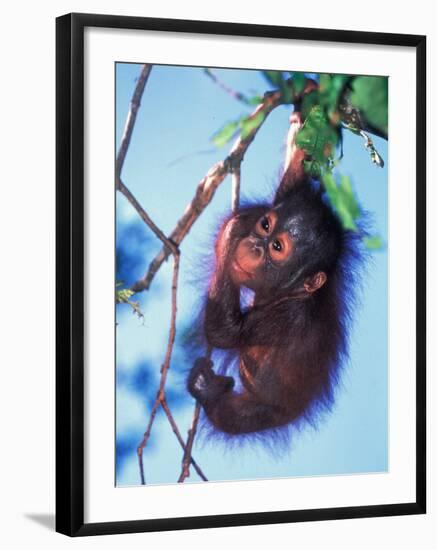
[{"x": 240, "y": 274}]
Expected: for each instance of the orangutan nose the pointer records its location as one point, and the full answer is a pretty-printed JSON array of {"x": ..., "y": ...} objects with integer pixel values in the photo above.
[
  {"x": 249, "y": 254},
  {"x": 256, "y": 250}
]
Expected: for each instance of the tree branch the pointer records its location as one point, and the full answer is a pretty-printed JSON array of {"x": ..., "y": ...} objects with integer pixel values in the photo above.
[
  {"x": 165, "y": 366},
  {"x": 233, "y": 93},
  {"x": 189, "y": 446},
  {"x": 145, "y": 217},
  {"x": 131, "y": 118},
  {"x": 160, "y": 400},
  {"x": 180, "y": 439}
]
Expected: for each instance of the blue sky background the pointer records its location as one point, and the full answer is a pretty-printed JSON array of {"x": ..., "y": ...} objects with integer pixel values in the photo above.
[{"x": 169, "y": 154}]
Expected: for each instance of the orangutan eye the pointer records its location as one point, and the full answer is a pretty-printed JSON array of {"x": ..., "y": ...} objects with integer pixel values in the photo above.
[
  {"x": 265, "y": 224},
  {"x": 277, "y": 245},
  {"x": 281, "y": 247}
]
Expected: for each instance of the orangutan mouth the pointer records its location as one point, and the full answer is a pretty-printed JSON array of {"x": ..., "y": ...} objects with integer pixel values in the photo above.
[{"x": 241, "y": 271}]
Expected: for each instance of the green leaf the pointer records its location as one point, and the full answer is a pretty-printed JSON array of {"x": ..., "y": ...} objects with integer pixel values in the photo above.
[
  {"x": 251, "y": 123},
  {"x": 343, "y": 200},
  {"x": 370, "y": 95},
  {"x": 330, "y": 90},
  {"x": 255, "y": 100},
  {"x": 274, "y": 78},
  {"x": 226, "y": 133},
  {"x": 318, "y": 138},
  {"x": 309, "y": 101},
  {"x": 373, "y": 243},
  {"x": 122, "y": 297},
  {"x": 247, "y": 124},
  {"x": 278, "y": 80},
  {"x": 349, "y": 197}
]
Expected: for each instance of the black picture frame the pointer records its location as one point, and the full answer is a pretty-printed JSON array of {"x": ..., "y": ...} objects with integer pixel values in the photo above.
[{"x": 70, "y": 273}]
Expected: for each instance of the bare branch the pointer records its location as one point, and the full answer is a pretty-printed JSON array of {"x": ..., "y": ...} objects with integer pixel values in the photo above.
[
  {"x": 146, "y": 437},
  {"x": 233, "y": 93},
  {"x": 161, "y": 401},
  {"x": 131, "y": 117},
  {"x": 180, "y": 439},
  {"x": 189, "y": 446},
  {"x": 166, "y": 364},
  {"x": 145, "y": 217},
  {"x": 191, "y": 435}
]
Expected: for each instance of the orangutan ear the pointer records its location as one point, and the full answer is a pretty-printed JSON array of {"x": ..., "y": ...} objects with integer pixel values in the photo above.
[{"x": 315, "y": 282}]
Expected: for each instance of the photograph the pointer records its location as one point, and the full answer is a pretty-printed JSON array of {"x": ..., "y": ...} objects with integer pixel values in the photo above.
[
  {"x": 219, "y": 216},
  {"x": 251, "y": 274}
]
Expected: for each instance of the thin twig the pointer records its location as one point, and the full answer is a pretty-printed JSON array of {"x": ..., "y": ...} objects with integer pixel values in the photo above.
[
  {"x": 144, "y": 216},
  {"x": 131, "y": 117},
  {"x": 191, "y": 435},
  {"x": 189, "y": 446},
  {"x": 165, "y": 366},
  {"x": 236, "y": 182},
  {"x": 233, "y": 93},
  {"x": 146, "y": 436},
  {"x": 180, "y": 438}
]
